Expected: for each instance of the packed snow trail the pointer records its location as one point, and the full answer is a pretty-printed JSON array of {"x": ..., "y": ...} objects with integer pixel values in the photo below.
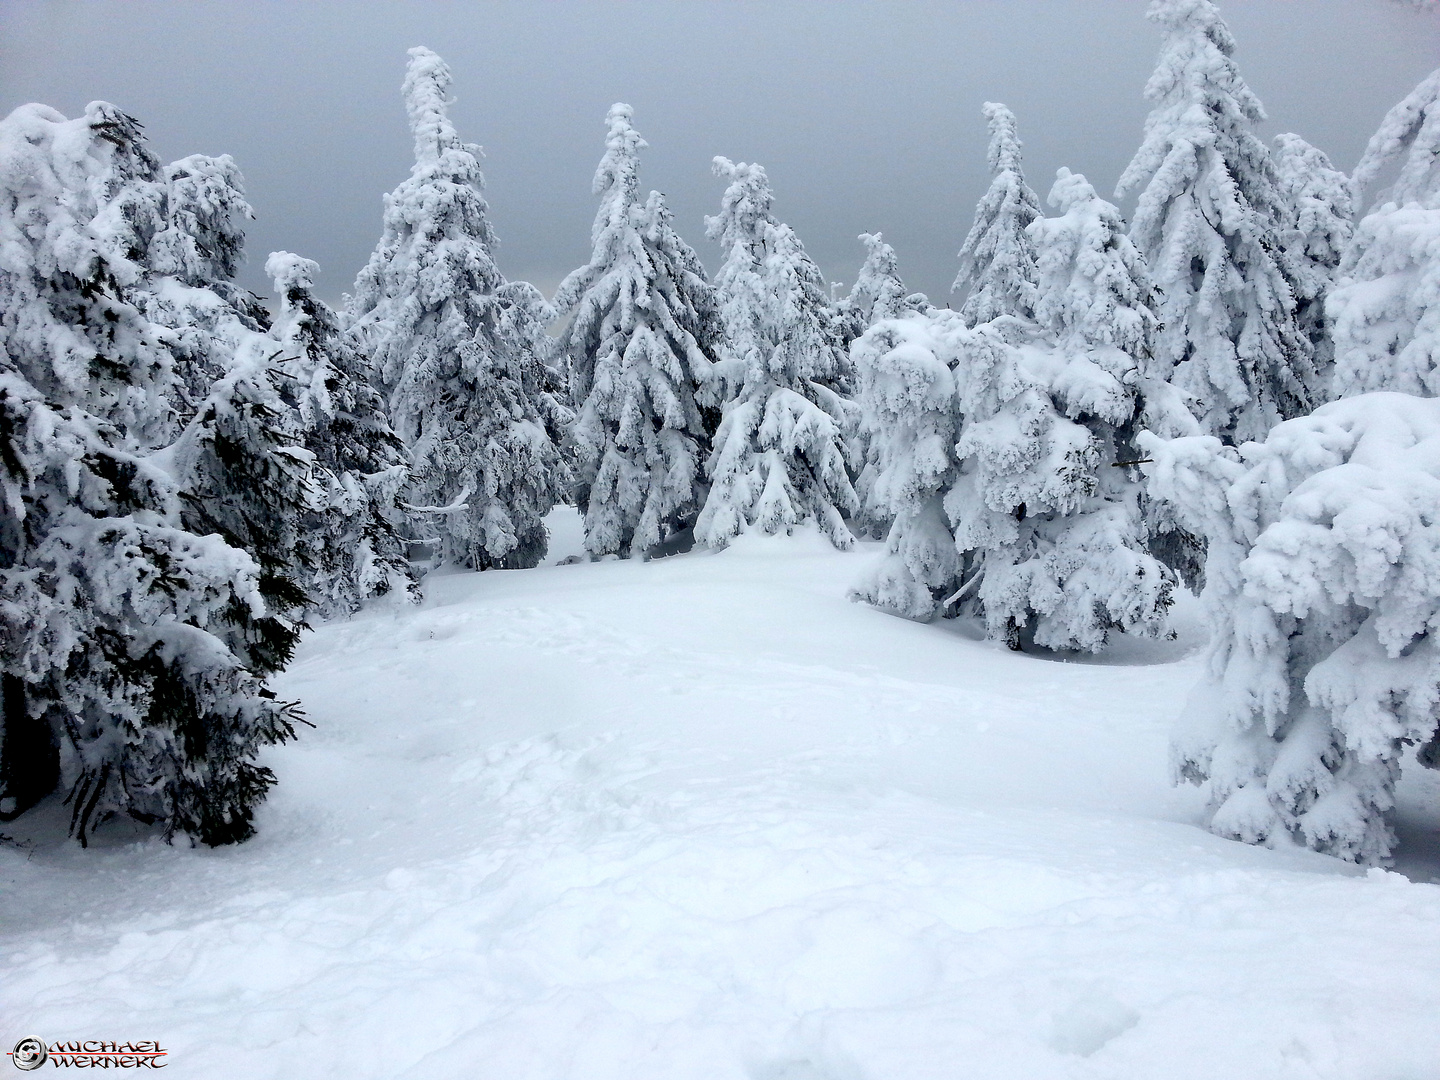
[{"x": 704, "y": 818}]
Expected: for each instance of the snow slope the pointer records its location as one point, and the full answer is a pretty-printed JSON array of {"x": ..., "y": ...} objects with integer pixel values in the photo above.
[{"x": 704, "y": 818}]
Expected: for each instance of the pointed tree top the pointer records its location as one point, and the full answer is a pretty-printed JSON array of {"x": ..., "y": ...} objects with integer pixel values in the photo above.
[
  {"x": 1004, "y": 152},
  {"x": 1195, "y": 60},
  {"x": 427, "y": 79},
  {"x": 620, "y": 167}
]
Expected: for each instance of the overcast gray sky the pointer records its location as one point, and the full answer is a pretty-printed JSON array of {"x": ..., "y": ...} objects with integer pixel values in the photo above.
[{"x": 866, "y": 115}]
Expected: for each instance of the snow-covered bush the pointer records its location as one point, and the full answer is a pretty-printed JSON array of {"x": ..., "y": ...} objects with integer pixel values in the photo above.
[
  {"x": 642, "y": 338},
  {"x": 134, "y": 639},
  {"x": 781, "y": 452},
  {"x": 462, "y": 352},
  {"x": 1323, "y": 595},
  {"x": 1385, "y": 305},
  {"x": 1208, "y": 221}
]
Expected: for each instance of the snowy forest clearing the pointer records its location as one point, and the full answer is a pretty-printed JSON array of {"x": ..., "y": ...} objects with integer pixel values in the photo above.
[{"x": 703, "y": 817}]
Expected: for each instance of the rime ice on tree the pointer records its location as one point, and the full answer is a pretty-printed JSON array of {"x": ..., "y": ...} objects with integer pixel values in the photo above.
[
  {"x": 1323, "y": 596},
  {"x": 780, "y": 453},
  {"x": 1384, "y": 308},
  {"x": 1318, "y": 227},
  {"x": 462, "y": 352},
  {"x": 997, "y": 263},
  {"x": 352, "y": 535},
  {"x": 642, "y": 338},
  {"x": 878, "y": 294},
  {"x": 134, "y": 644},
  {"x": 1207, "y": 221},
  {"x": 998, "y": 446}
]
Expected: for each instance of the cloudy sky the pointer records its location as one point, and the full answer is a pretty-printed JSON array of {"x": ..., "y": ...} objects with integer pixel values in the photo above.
[{"x": 867, "y": 115}]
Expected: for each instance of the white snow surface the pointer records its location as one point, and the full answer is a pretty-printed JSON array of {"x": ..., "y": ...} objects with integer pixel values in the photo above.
[{"x": 704, "y": 818}]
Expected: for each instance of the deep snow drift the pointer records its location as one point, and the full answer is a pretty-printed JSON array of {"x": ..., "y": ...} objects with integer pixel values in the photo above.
[{"x": 703, "y": 817}]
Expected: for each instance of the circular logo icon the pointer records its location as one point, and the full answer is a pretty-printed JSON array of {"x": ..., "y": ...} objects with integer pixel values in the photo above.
[{"x": 29, "y": 1054}]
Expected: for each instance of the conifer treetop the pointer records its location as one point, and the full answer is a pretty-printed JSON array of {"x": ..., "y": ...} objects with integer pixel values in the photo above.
[
  {"x": 427, "y": 79},
  {"x": 1201, "y": 101},
  {"x": 997, "y": 261}
]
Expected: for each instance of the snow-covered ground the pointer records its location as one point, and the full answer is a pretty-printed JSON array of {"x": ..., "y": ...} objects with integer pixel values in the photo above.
[{"x": 705, "y": 818}]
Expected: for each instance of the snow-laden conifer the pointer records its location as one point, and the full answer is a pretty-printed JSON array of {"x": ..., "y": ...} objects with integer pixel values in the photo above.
[
  {"x": 1384, "y": 308},
  {"x": 461, "y": 352},
  {"x": 1098, "y": 304},
  {"x": 1322, "y": 592},
  {"x": 910, "y": 414},
  {"x": 642, "y": 339},
  {"x": 780, "y": 455},
  {"x": 134, "y": 646},
  {"x": 878, "y": 294},
  {"x": 353, "y": 537},
  {"x": 997, "y": 262},
  {"x": 1318, "y": 225},
  {"x": 1208, "y": 218},
  {"x": 1022, "y": 463}
]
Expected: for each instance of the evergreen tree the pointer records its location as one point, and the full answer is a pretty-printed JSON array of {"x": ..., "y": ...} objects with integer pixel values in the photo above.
[
  {"x": 353, "y": 538},
  {"x": 878, "y": 294},
  {"x": 997, "y": 263},
  {"x": 1319, "y": 223},
  {"x": 1048, "y": 538},
  {"x": 194, "y": 259},
  {"x": 642, "y": 340},
  {"x": 133, "y": 647},
  {"x": 1322, "y": 584},
  {"x": 1210, "y": 207},
  {"x": 781, "y": 452},
  {"x": 910, "y": 414},
  {"x": 1385, "y": 306},
  {"x": 462, "y": 352}
]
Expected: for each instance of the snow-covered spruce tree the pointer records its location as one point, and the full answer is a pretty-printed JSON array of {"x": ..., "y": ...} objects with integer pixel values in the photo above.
[
  {"x": 1048, "y": 539},
  {"x": 461, "y": 352},
  {"x": 1051, "y": 533},
  {"x": 997, "y": 262},
  {"x": 878, "y": 294},
  {"x": 1208, "y": 218},
  {"x": 238, "y": 461},
  {"x": 1384, "y": 308},
  {"x": 1318, "y": 226},
  {"x": 353, "y": 536},
  {"x": 643, "y": 336},
  {"x": 781, "y": 452},
  {"x": 120, "y": 685},
  {"x": 909, "y": 411},
  {"x": 194, "y": 259},
  {"x": 1323, "y": 596},
  {"x": 1098, "y": 305}
]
